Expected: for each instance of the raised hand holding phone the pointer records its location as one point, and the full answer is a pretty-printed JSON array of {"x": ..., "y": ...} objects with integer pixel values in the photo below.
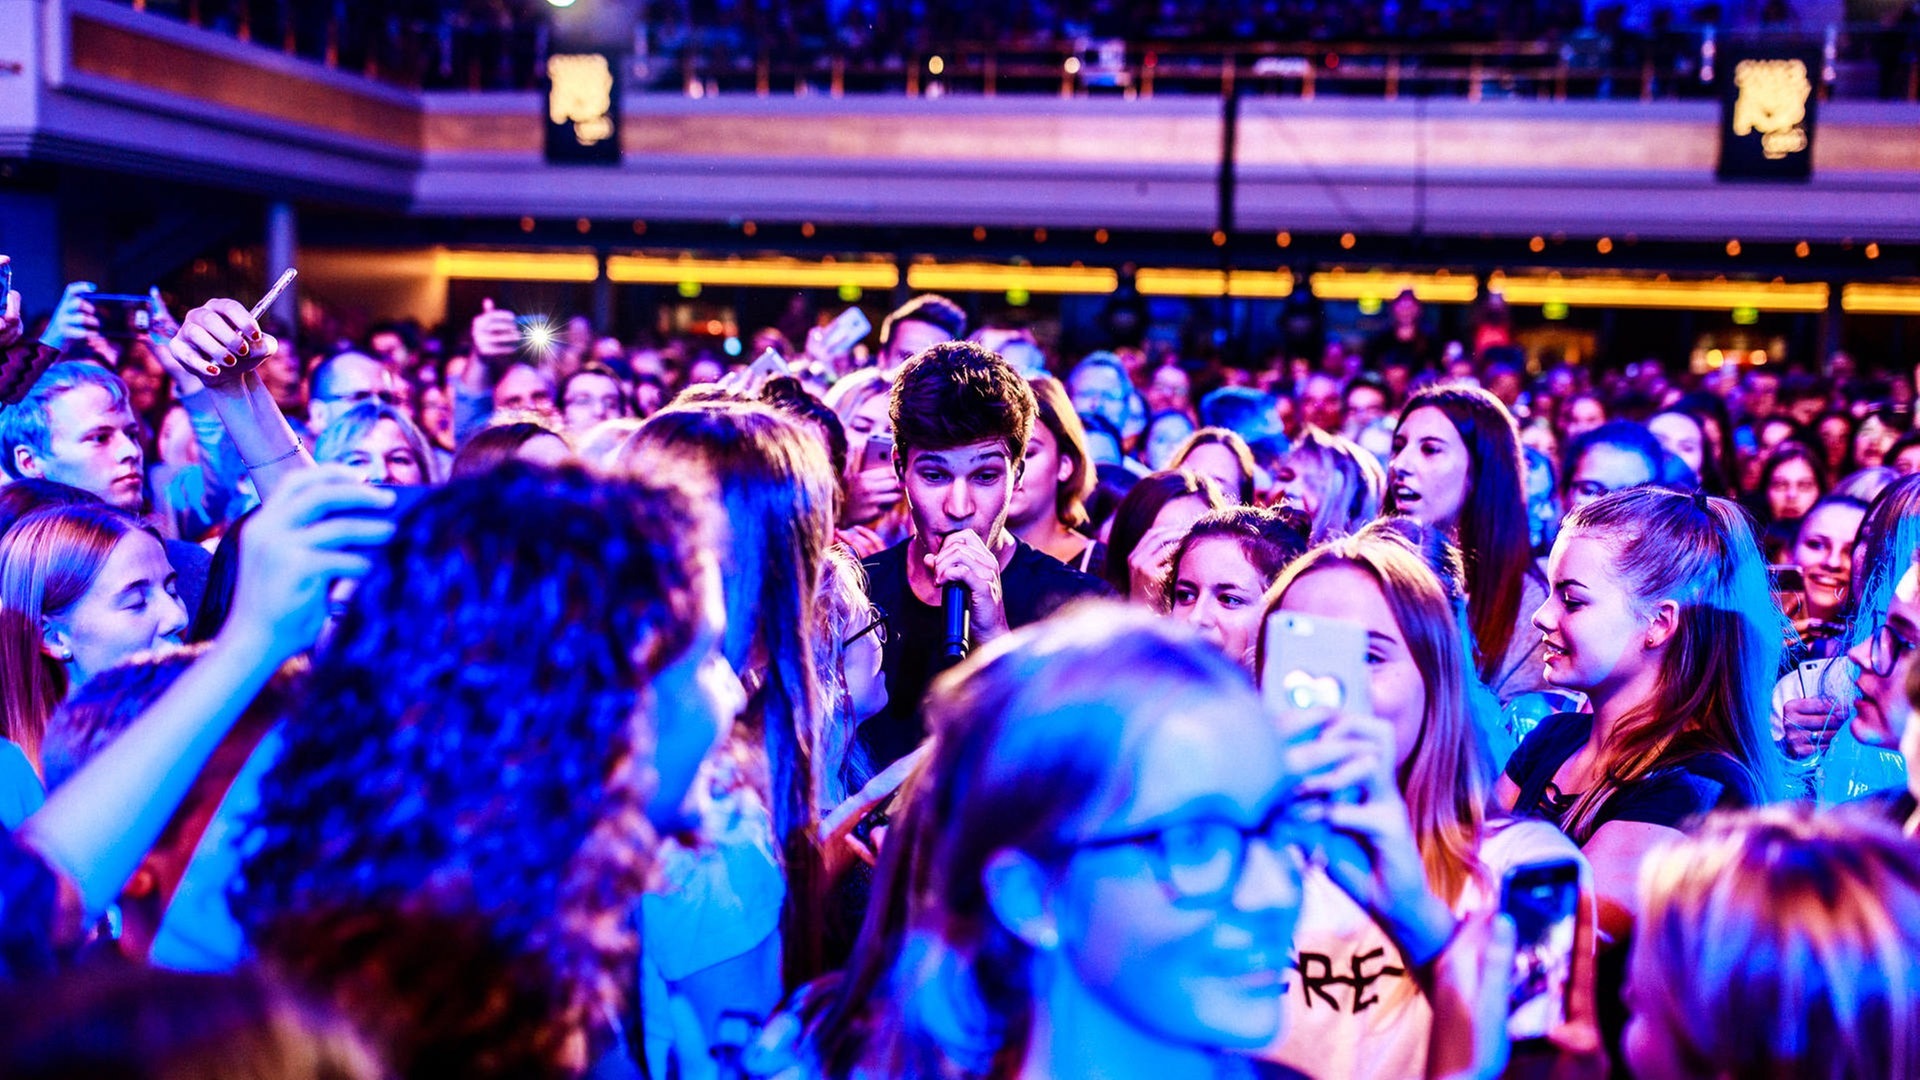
[
  {"x": 21, "y": 362},
  {"x": 495, "y": 331},
  {"x": 73, "y": 320},
  {"x": 318, "y": 531},
  {"x": 1345, "y": 762},
  {"x": 220, "y": 341},
  {"x": 831, "y": 345},
  {"x": 1314, "y": 677}
]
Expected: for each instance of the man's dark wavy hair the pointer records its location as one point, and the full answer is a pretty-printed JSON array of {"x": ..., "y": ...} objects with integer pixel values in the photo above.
[
  {"x": 453, "y": 838},
  {"x": 957, "y": 393}
]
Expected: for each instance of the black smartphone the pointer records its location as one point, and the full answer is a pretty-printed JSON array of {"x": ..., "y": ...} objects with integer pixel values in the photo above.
[
  {"x": 6, "y": 281},
  {"x": 879, "y": 817},
  {"x": 122, "y": 317},
  {"x": 404, "y": 498},
  {"x": 1789, "y": 587},
  {"x": 1543, "y": 900}
]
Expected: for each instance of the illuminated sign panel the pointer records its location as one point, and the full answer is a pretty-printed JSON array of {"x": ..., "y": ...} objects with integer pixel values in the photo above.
[
  {"x": 1768, "y": 96},
  {"x": 583, "y": 109}
]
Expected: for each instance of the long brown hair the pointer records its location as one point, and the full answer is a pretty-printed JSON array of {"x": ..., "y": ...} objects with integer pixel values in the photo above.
[
  {"x": 1493, "y": 532},
  {"x": 1054, "y": 409},
  {"x": 777, "y": 492},
  {"x": 48, "y": 561},
  {"x": 1713, "y": 694},
  {"x": 1447, "y": 779}
]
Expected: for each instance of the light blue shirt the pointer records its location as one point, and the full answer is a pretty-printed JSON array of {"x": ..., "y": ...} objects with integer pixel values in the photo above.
[{"x": 198, "y": 932}]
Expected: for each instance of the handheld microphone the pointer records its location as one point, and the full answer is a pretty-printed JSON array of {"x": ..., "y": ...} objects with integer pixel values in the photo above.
[{"x": 955, "y": 600}]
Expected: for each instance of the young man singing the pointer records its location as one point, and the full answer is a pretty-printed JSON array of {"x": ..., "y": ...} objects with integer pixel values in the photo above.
[{"x": 961, "y": 419}]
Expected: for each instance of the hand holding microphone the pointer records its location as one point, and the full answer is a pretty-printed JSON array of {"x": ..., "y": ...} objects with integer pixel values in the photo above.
[{"x": 969, "y": 578}]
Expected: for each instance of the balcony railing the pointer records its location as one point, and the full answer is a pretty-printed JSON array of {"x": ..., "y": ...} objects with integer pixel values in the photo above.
[{"x": 437, "y": 46}]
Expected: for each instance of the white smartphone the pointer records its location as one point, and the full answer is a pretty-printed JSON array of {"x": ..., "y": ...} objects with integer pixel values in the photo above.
[
  {"x": 769, "y": 364},
  {"x": 849, "y": 328},
  {"x": 1313, "y": 662}
]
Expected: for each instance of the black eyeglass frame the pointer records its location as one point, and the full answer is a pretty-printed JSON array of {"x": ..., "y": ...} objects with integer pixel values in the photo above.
[
  {"x": 877, "y": 627},
  {"x": 1283, "y": 830}
]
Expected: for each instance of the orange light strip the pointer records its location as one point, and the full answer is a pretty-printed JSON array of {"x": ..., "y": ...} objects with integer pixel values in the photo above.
[
  {"x": 995, "y": 277},
  {"x": 1439, "y": 287},
  {"x": 765, "y": 272},
  {"x": 1877, "y": 299},
  {"x": 1275, "y": 284}
]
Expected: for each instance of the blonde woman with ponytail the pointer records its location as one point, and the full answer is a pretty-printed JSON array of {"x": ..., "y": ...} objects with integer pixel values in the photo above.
[
  {"x": 1354, "y": 1001},
  {"x": 1659, "y": 612}
]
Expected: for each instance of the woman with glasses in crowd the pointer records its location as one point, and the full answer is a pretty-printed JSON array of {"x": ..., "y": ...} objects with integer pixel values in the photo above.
[
  {"x": 1109, "y": 893},
  {"x": 1836, "y": 754}
]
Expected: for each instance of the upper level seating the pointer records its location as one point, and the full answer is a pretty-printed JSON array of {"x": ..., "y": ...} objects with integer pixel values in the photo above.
[{"x": 1468, "y": 48}]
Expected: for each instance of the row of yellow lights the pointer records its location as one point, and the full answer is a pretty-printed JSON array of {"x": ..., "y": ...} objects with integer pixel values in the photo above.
[{"x": 1439, "y": 287}]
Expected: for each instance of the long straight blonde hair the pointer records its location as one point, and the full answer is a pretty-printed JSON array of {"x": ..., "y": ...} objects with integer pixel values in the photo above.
[
  {"x": 1356, "y": 482},
  {"x": 1448, "y": 777}
]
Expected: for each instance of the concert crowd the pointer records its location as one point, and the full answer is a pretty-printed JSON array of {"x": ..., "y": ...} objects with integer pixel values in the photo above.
[{"x": 518, "y": 701}]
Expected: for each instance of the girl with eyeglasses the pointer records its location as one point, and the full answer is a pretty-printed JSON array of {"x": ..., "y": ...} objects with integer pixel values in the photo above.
[
  {"x": 1097, "y": 872},
  {"x": 1355, "y": 1005},
  {"x": 1840, "y": 754}
]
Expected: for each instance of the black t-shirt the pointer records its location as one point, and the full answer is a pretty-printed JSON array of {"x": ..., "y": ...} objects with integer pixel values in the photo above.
[
  {"x": 1033, "y": 586},
  {"x": 1669, "y": 795}
]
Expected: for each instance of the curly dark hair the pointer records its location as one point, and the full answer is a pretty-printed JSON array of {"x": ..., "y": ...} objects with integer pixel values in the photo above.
[{"x": 454, "y": 835}]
